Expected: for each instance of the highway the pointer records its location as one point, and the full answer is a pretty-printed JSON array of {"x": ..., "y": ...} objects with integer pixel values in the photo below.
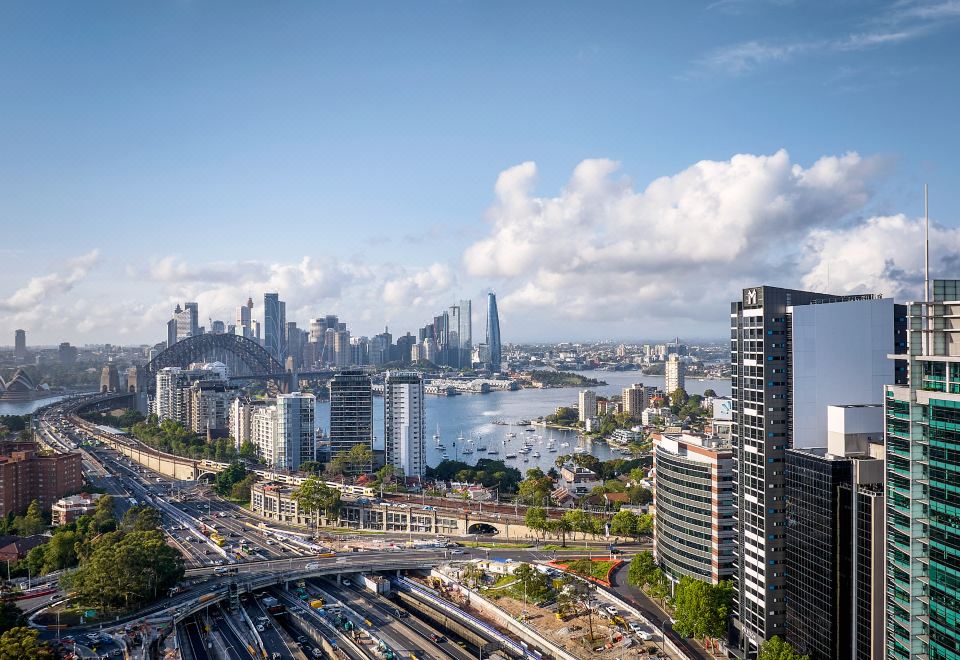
[{"x": 408, "y": 636}]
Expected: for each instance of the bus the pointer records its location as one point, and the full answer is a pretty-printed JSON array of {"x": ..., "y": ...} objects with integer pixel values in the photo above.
[{"x": 216, "y": 538}]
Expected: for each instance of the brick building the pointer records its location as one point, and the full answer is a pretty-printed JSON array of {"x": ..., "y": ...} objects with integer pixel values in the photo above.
[{"x": 26, "y": 475}]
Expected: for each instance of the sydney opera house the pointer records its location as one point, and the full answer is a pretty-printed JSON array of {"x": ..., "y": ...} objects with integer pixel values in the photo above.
[{"x": 19, "y": 387}]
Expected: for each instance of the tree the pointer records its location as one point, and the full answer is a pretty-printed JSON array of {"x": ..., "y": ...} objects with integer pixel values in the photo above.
[
  {"x": 678, "y": 397},
  {"x": 248, "y": 450},
  {"x": 314, "y": 496},
  {"x": 60, "y": 552},
  {"x": 640, "y": 495},
  {"x": 776, "y": 648},
  {"x": 473, "y": 574},
  {"x": 642, "y": 568},
  {"x": 126, "y": 569},
  {"x": 583, "y": 592},
  {"x": 562, "y": 527},
  {"x": 22, "y": 642},
  {"x": 533, "y": 584},
  {"x": 104, "y": 519},
  {"x": 141, "y": 518},
  {"x": 32, "y": 523},
  {"x": 535, "y": 490},
  {"x": 353, "y": 462},
  {"x": 224, "y": 482},
  {"x": 709, "y": 393},
  {"x": 701, "y": 608},
  {"x": 644, "y": 525},
  {"x": 624, "y": 523},
  {"x": 241, "y": 489},
  {"x": 536, "y": 519},
  {"x": 659, "y": 586},
  {"x": 10, "y": 615}
]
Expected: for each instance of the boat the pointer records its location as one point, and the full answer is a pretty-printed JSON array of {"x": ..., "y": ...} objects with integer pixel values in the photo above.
[
  {"x": 530, "y": 430},
  {"x": 441, "y": 446},
  {"x": 535, "y": 454},
  {"x": 467, "y": 451},
  {"x": 436, "y": 436},
  {"x": 493, "y": 452},
  {"x": 510, "y": 456},
  {"x": 444, "y": 456},
  {"x": 579, "y": 450},
  {"x": 564, "y": 444},
  {"x": 551, "y": 449},
  {"x": 526, "y": 460},
  {"x": 511, "y": 435}
]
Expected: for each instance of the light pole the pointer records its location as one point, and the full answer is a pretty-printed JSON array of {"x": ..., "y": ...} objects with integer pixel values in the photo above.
[{"x": 663, "y": 635}]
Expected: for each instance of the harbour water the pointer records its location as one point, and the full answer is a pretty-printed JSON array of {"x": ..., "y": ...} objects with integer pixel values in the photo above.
[
  {"x": 473, "y": 416},
  {"x": 27, "y": 407}
]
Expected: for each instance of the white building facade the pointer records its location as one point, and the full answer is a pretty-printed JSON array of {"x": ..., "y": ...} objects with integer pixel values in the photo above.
[{"x": 404, "y": 422}]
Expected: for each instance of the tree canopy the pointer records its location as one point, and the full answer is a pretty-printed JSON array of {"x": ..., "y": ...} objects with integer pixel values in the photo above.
[
  {"x": 701, "y": 609},
  {"x": 776, "y": 648},
  {"x": 22, "y": 642}
]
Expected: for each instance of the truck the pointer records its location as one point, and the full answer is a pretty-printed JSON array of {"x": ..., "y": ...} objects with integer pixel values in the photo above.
[{"x": 269, "y": 601}]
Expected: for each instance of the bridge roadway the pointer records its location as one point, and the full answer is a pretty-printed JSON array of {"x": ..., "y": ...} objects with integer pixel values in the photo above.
[{"x": 252, "y": 576}]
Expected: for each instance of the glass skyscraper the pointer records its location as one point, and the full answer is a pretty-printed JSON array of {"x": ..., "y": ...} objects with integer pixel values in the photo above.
[
  {"x": 493, "y": 331},
  {"x": 274, "y": 326},
  {"x": 922, "y": 439}
]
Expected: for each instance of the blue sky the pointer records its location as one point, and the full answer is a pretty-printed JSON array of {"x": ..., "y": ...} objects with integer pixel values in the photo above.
[{"x": 347, "y": 154}]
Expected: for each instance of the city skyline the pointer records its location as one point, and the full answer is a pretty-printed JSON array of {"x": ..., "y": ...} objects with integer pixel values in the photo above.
[{"x": 623, "y": 224}]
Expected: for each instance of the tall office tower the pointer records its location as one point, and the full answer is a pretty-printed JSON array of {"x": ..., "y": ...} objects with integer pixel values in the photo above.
[
  {"x": 922, "y": 439},
  {"x": 453, "y": 337},
  {"x": 404, "y": 347},
  {"x": 20, "y": 344},
  {"x": 292, "y": 342},
  {"x": 428, "y": 350},
  {"x": 351, "y": 411},
  {"x": 404, "y": 422},
  {"x": 834, "y": 539},
  {"x": 171, "y": 332},
  {"x": 635, "y": 399},
  {"x": 341, "y": 348},
  {"x": 673, "y": 378},
  {"x": 317, "y": 328},
  {"x": 588, "y": 405},
  {"x": 380, "y": 347},
  {"x": 255, "y": 332},
  {"x": 465, "y": 332},
  {"x": 793, "y": 353},
  {"x": 66, "y": 354},
  {"x": 328, "y": 353},
  {"x": 193, "y": 310},
  {"x": 493, "y": 332},
  {"x": 218, "y": 327},
  {"x": 244, "y": 325},
  {"x": 185, "y": 323},
  {"x": 274, "y": 326},
  {"x": 694, "y": 502}
]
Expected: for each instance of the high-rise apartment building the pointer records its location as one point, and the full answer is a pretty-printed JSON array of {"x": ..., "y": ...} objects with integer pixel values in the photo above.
[
  {"x": 922, "y": 441},
  {"x": 20, "y": 344},
  {"x": 693, "y": 533},
  {"x": 588, "y": 405},
  {"x": 67, "y": 354},
  {"x": 351, "y": 411},
  {"x": 341, "y": 348},
  {"x": 635, "y": 399},
  {"x": 26, "y": 474},
  {"x": 673, "y": 375},
  {"x": 274, "y": 326},
  {"x": 183, "y": 324},
  {"x": 404, "y": 422},
  {"x": 834, "y": 539},
  {"x": 493, "y": 332},
  {"x": 208, "y": 405},
  {"x": 793, "y": 354}
]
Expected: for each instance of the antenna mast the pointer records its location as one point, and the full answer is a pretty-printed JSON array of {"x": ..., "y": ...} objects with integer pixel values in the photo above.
[{"x": 926, "y": 246}]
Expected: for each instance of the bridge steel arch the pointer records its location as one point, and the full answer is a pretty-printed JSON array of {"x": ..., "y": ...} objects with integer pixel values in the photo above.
[{"x": 245, "y": 357}]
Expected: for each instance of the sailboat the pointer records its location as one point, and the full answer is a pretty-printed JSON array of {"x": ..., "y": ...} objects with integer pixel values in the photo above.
[
  {"x": 481, "y": 445},
  {"x": 436, "y": 438}
]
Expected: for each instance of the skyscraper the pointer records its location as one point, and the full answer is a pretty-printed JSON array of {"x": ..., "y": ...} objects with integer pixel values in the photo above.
[
  {"x": 673, "y": 375},
  {"x": 635, "y": 399},
  {"x": 193, "y": 311},
  {"x": 245, "y": 319},
  {"x": 20, "y": 344},
  {"x": 465, "y": 332},
  {"x": 493, "y": 332},
  {"x": 274, "y": 326},
  {"x": 404, "y": 422},
  {"x": 793, "y": 353},
  {"x": 588, "y": 405},
  {"x": 351, "y": 411},
  {"x": 922, "y": 439}
]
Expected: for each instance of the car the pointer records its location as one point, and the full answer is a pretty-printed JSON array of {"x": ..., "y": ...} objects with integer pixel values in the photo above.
[
  {"x": 302, "y": 639},
  {"x": 438, "y": 639},
  {"x": 260, "y": 627},
  {"x": 611, "y": 610},
  {"x": 316, "y": 653},
  {"x": 347, "y": 583},
  {"x": 456, "y": 552},
  {"x": 276, "y": 656}
]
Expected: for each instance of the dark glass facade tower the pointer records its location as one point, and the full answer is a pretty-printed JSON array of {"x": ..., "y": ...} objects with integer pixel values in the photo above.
[
  {"x": 493, "y": 332},
  {"x": 274, "y": 326},
  {"x": 819, "y": 561}
]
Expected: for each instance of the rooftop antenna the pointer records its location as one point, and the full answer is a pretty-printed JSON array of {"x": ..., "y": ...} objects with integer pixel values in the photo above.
[{"x": 926, "y": 246}]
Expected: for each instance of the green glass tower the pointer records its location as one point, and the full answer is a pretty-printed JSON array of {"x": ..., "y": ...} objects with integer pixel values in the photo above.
[{"x": 923, "y": 485}]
